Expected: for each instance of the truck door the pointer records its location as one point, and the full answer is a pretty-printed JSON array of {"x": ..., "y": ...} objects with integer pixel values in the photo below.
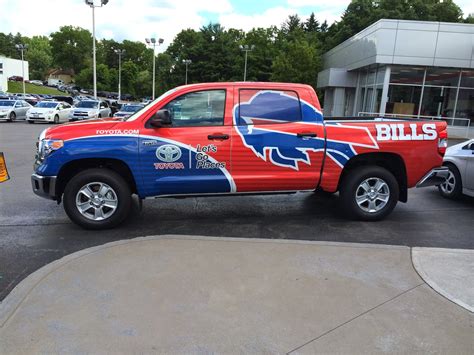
[
  {"x": 277, "y": 143},
  {"x": 192, "y": 156}
]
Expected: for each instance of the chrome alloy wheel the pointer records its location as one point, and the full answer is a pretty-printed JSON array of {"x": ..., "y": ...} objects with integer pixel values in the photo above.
[
  {"x": 96, "y": 201},
  {"x": 449, "y": 184},
  {"x": 372, "y": 195}
]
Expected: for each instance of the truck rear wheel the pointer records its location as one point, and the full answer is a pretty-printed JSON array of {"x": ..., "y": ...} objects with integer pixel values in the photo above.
[
  {"x": 369, "y": 193},
  {"x": 97, "y": 199}
]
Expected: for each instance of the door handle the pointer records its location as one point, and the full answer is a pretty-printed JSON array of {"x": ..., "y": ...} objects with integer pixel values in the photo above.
[
  {"x": 218, "y": 136},
  {"x": 306, "y": 135}
]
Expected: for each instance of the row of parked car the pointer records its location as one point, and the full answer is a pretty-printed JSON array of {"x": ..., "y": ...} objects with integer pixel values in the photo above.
[{"x": 57, "y": 110}]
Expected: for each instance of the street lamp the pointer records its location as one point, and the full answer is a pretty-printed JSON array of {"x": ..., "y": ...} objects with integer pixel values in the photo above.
[
  {"x": 152, "y": 42},
  {"x": 246, "y": 48},
  {"x": 187, "y": 62},
  {"x": 91, "y": 3},
  {"x": 120, "y": 53},
  {"x": 22, "y": 48}
]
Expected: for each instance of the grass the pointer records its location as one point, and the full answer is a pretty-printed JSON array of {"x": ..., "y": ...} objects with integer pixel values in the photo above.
[{"x": 17, "y": 87}]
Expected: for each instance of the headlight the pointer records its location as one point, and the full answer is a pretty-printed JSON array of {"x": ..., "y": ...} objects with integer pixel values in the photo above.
[
  {"x": 92, "y": 113},
  {"x": 47, "y": 146},
  {"x": 49, "y": 112}
]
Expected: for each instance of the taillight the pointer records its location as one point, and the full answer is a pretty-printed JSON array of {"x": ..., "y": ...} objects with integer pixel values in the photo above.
[{"x": 442, "y": 142}]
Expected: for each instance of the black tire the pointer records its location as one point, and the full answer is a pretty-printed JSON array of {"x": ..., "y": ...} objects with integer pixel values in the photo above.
[
  {"x": 121, "y": 191},
  {"x": 351, "y": 187},
  {"x": 56, "y": 119},
  {"x": 452, "y": 187},
  {"x": 31, "y": 122},
  {"x": 99, "y": 116},
  {"x": 12, "y": 116}
]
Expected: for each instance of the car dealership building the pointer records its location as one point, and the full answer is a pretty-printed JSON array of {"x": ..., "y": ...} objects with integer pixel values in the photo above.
[
  {"x": 11, "y": 67},
  {"x": 403, "y": 68}
]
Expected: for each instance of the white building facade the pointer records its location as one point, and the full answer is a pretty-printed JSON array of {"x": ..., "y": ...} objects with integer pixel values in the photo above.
[
  {"x": 403, "y": 68},
  {"x": 11, "y": 67}
]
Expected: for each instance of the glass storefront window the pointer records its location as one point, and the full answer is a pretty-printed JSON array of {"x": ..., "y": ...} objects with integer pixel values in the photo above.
[
  {"x": 407, "y": 75},
  {"x": 442, "y": 77},
  {"x": 438, "y": 101},
  {"x": 467, "y": 79},
  {"x": 465, "y": 106},
  {"x": 403, "y": 100}
]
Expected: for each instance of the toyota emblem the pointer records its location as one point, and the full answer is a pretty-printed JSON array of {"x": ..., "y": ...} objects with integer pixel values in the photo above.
[{"x": 168, "y": 153}]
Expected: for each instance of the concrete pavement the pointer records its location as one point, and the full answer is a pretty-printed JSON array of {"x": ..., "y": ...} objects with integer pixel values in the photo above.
[
  {"x": 448, "y": 271},
  {"x": 176, "y": 294}
]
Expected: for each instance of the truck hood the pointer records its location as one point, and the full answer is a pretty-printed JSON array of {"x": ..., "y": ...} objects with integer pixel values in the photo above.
[{"x": 78, "y": 129}]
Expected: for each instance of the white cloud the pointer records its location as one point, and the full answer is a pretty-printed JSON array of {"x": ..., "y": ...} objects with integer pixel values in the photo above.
[
  {"x": 274, "y": 16},
  {"x": 119, "y": 19}
]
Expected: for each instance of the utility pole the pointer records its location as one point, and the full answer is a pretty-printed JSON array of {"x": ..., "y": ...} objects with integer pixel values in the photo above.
[
  {"x": 187, "y": 62},
  {"x": 94, "y": 69},
  {"x": 120, "y": 53},
  {"x": 153, "y": 42},
  {"x": 22, "y": 48},
  {"x": 246, "y": 48}
]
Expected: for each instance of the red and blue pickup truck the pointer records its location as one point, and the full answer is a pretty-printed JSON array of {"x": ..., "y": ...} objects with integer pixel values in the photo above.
[{"x": 235, "y": 138}]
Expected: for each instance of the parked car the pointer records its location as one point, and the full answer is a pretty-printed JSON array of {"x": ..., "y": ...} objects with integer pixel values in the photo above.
[
  {"x": 15, "y": 78},
  {"x": 67, "y": 99},
  {"x": 128, "y": 110},
  {"x": 87, "y": 109},
  {"x": 36, "y": 82},
  {"x": 49, "y": 111},
  {"x": 11, "y": 110},
  {"x": 271, "y": 138},
  {"x": 460, "y": 160}
]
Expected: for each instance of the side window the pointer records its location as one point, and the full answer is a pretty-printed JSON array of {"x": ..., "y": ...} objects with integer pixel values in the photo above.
[
  {"x": 268, "y": 106},
  {"x": 200, "y": 108}
]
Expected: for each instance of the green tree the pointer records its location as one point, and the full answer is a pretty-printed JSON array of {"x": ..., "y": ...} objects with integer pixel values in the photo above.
[
  {"x": 39, "y": 57},
  {"x": 71, "y": 48},
  {"x": 298, "y": 63}
]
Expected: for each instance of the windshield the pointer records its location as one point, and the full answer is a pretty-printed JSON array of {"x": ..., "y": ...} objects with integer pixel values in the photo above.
[
  {"x": 46, "y": 104},
  {"x": 88, "y": 104},
  {"x": 7, "y": 103},
  {"x": 131, "y": 108},
  {"x": 139, "y": 112}
]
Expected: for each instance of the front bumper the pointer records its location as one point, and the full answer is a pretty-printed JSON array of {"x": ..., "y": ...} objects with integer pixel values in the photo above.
[
  {"x": 44, "y": 186},
  {"x": 435, "y": 177}
]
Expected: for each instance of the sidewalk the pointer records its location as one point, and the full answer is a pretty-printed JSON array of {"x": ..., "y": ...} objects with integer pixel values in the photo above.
[{"x": 176, "y": 294}]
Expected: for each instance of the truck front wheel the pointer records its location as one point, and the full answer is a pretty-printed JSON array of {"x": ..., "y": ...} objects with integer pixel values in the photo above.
[
  {"x": 97, "y": 199},
  {"x": 369, "y": 193}
]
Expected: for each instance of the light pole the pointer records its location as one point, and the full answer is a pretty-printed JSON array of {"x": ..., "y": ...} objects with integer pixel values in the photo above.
[
  {"x": 120, "y": 53},
  {"x": 187, "y": 62},
  {"x": 246, "y": 48},
  {"x": 152, "y": 42},
  {"x": 22, "y": 48},
  {"x": 93, "y": 6}
]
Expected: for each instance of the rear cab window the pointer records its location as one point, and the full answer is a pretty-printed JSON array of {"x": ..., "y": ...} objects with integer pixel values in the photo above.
[{"x": 260, "y": 107}]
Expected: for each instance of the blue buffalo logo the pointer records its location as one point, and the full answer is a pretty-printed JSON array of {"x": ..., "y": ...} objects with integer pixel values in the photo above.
[{"x": 283, "y": 148}]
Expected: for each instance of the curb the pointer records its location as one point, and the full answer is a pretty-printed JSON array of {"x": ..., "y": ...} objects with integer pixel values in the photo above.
[
  {"x": 21, "y": 291},
  {"x": 430, "y": 282}
]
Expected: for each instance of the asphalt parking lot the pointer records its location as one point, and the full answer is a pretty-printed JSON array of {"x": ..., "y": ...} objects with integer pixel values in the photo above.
[{"x": 35, "y": 231}]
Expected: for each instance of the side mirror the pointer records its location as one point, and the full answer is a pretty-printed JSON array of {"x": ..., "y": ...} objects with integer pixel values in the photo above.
[{"x": 161, "y": 118}]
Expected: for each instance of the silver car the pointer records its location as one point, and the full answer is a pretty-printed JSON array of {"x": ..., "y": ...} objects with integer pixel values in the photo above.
[
  {"x": 11, "y": 110},
  {"x": 88, "y": 109},
  {"x": 128, "y": 110},
  {"x": 460, "y": 160}
]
